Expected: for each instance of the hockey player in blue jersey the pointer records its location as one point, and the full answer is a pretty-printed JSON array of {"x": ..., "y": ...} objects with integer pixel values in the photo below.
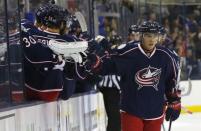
[
  {"x": 42, "y": 67},
  {"x": 53, "y": 41},
  {"x": 148, "y": 75}
]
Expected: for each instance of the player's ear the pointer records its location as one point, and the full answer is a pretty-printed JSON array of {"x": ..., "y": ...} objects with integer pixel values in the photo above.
[{"x": 63, "y": 28}]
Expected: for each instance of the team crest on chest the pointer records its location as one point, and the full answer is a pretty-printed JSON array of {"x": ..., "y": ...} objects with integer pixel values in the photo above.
[{"x": 149, "y": 76}]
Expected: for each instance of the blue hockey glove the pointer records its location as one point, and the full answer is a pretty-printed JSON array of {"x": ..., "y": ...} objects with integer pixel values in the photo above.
[
  {"x": 103, "y": 42},
  {"x": 173, "y": 111},
  {"x": 92, "y": 62},
  {"x": 174, "y": 105}
]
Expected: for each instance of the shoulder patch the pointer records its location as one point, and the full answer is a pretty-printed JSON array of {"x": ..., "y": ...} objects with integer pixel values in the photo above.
[{"x": 121, "y": 46}]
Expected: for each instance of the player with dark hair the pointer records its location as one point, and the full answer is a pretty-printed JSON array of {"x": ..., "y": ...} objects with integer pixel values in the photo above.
[
  {"x": 53, "y": 41},
  {"x": 148, "y": 75},
  {"x": 42, "y": 67}
]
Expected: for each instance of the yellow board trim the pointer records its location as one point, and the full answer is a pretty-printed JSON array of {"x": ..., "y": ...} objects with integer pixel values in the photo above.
[{"x": 195, "y": 108}]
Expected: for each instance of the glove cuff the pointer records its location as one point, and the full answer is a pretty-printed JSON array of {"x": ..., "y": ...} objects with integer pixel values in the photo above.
[
  {"x": 175, "y": 105},
  {"x": 97, "y": 62}
]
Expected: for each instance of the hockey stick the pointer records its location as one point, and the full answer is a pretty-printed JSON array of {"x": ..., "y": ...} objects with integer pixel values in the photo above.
[
  {"x": 186, "y": 110},
  {"x": 170, "y": 124},
  {"x": 189, "y": 82},
  {"x": 163, "y": 127},
  {"x": 189, "y": 79}
]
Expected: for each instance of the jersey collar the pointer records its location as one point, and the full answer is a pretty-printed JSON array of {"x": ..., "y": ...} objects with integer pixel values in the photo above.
[{"x": 143, "y": 52}]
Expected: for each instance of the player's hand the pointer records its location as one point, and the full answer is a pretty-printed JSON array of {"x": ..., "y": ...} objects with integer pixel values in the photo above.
[
  {"x": 92, "y": 62},
  {"x": 173, "y": 111},
  {"x": 103, "y": 42},
  {"x": 60, "y": 65}
]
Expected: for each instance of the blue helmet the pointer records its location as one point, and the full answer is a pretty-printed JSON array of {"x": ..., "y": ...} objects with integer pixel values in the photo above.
[
  {"x": 149, "y": 27},
  {"x": 133, "y": 29},
  {"x": 55, "y": 16},
  {"x": 116, "y": 40},
  {"x": 162, "y": 30},
  {"x": 41, "y": 14}
]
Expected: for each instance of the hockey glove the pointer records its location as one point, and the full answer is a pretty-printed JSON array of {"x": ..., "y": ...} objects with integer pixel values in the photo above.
[
  {"x": 173, "y": 111},
  {"x": 103, "y": 42},
  {"x": 95, "y": 48},
  {"x": 92, "y": 62},
  {"x": 174, "y": 105}
]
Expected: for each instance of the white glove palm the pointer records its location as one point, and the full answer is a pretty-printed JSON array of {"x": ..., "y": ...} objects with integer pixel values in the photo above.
[{"x": 59, "y": 66}]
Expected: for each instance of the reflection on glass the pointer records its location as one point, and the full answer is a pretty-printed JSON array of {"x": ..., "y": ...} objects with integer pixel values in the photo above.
[
  {"x": 10, "y": 57},
  {"x": 4, "y": 90},
  {"x": 14, "y": 52}
]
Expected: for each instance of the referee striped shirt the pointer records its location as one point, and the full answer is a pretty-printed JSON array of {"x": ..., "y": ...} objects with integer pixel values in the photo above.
[{"x": 110, "y": 81}]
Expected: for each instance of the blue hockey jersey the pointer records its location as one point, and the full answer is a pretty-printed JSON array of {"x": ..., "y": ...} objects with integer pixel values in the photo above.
[
  {"x": 40, "y": 60},
  {"x": 35, "y": 47},
  {"x": 144, "y": 79}
]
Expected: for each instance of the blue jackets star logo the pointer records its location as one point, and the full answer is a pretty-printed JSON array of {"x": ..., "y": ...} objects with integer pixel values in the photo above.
[{"x": 148, "y": 77}]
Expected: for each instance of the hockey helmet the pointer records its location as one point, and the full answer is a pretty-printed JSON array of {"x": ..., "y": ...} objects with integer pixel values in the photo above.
[
  {"x": 133, "y": 29},
  {"x": 162, "y": 30},
  {"x": 149, "y": 27},
  {"x": 55, "y": 16},
  {"x": 41, "y": 14},
  {"x": 116, "y": 40}
]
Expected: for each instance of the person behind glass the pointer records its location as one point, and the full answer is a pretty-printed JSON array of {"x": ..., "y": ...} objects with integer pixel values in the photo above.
[
  {"x": 109, "y": 86},
  {"x": 148, "y": 81},
  {"x": 133, "y": 34},
  {"x": 74, "y": 27}
]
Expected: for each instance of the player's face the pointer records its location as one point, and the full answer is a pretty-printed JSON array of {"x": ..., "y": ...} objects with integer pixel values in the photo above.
[
  {"x": 161, "y": 38},
  {"x": 63, "y": 28},
  {"x": 134, "y": 36},
  {"x": 150, "y": 40}
]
